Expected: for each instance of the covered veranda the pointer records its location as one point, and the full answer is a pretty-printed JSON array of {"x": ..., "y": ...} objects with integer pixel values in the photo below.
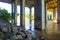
[{"x": 42, "y": 19}]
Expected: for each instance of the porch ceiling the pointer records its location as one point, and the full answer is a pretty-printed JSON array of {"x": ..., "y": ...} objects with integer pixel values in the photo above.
[
  {"x": 29, "y": 3},
  {"x": 6, "y": 1}
]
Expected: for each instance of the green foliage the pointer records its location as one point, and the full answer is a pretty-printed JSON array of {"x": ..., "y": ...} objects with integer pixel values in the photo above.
[
  {"x": 12, "y": 15},
  {"x": 5, "y": 15},
  {"x": 28, "y": 16}
]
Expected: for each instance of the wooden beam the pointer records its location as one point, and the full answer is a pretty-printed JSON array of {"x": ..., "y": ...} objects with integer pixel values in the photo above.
[{"x": 49, "y": 1}]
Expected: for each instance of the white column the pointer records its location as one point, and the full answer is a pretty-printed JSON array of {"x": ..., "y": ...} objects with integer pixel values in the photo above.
[
  {"x": 30, "y": 18},
  {"x": 12, "y": 5},
  {"x": 22, "y": 13},
  {"x": 43, "y": 14},
  {"x": 54, "y": 15},
  {"x": 15, "y": 12}
]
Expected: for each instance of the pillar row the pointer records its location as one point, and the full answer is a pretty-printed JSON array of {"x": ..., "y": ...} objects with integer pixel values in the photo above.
[
  {"x": 30, "y": 17},
  {"x": 12, "y": 11}
]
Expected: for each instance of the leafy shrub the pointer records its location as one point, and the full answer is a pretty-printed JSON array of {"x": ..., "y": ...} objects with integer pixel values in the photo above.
[{"x": 5, "y": 15}]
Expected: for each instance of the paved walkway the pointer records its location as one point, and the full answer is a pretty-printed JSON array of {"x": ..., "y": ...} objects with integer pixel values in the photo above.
[{"x": 52, "y": 31}]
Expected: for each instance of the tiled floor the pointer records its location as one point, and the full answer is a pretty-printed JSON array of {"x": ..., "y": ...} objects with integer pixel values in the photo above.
[{"x": 52, "y": 31}]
